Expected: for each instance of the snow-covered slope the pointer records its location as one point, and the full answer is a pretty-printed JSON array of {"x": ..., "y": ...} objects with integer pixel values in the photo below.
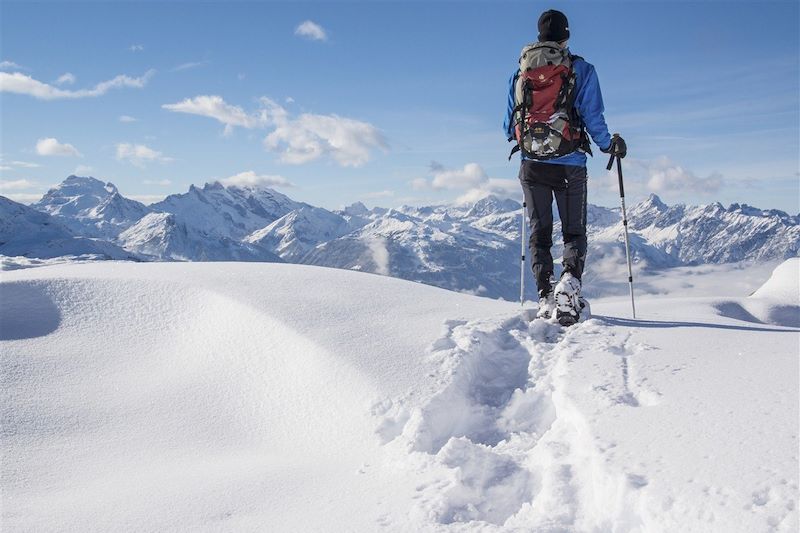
[
  {"x": 252, "y": 397},
  {"x": 775, "y": 302},
  {"x": 164, "y": 237},
  {"x": 90, "y": 207},
  {"x": 27, "y": 232}
]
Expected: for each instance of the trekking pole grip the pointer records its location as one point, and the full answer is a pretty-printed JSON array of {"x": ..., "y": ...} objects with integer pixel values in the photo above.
[{"x": 613, "y": 153}]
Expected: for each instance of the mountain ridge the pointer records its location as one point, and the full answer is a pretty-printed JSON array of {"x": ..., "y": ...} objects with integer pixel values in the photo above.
[{"x": 471, "y": 247}]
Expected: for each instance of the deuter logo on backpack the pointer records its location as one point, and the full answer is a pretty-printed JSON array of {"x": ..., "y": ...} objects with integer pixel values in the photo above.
[{"x": 546, "y": 123}]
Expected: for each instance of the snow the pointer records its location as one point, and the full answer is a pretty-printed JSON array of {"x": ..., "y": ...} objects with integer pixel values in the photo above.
[
  {"x": 90, "y": 207},
  {"x": 783, "y": 284},
  {"x": 267, "y": 396},
  {"x": 33, "y": 234},
  {"x": 776, "y": 302}
]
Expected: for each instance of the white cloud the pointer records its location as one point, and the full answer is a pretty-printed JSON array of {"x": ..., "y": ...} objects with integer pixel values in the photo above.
[
  {"x": 663, "y": 175},
  {"x": 472, "y": 179},
  {"x": 311, "y": 30},
  {"x": 81, "y": 170},
  {"x": 189, "y": 65},
  {"x": 66, "y": 79},
  {"x": 24, "y": 197},
  {"x": 380, "y": 255},
  {"x": 377, "y": 194},
  {"x": 25, "y": 164},
  {"x": 289, "y": 100},
  {"x": 470, "y": 176},
  {"x": 139, "y": 154},
  {"x": 161, "y": 183},
  {"x": 147, "y": 199},
  {"x": 507, "y": 188},
  {"x": 23, "y": 84},
  {"x": 216, "y": 108},
  {"x": 251, "y": 179},
  {"x": 9, "y": 165},
  {"x": 127, "y": 118},
  {"x": 298, "y": 140},
  {"x": 51, "y": 146},
  {"x": 136, "y": 47},
  {"x": 17, "y": 185},
  {"x": 419, "y": 184},
  {"x": 310, "y": 136},
  {"x": 10, "y": 65}
]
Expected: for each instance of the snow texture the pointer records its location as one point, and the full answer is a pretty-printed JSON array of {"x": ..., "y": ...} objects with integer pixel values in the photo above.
[{"x": 253, "y": 397}]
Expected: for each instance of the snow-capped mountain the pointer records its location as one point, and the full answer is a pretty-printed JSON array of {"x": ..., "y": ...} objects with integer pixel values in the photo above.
[
  {"x": 471, "y": 247},
  {"x": 231, "y": 211},
  {"x": 164, "y": 237},
  {"x": 715, "y": 234},
  {"x": 27, "y": 232},
  {"x": 441, "y": 246},
  {"x": 298, "y": 232},
  {"x": 90, "y": 207}
]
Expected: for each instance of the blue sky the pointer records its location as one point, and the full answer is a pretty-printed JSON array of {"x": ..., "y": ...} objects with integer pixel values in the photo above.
[{"x": 389, "y": 102}]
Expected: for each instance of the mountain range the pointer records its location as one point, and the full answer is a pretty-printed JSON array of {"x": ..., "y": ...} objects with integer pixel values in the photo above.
[{"x": 471, "y": 247}]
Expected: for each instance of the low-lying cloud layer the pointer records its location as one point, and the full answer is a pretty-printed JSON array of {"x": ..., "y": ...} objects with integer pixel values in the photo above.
[
  {"x": 663, "y": 175},
  {"x": 472, "y": 179}
]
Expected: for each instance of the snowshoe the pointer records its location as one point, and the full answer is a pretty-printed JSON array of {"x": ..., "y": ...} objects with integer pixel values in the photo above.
[
  {"x": 547, "y": 304},
  {"x": 567, "y": 300}
]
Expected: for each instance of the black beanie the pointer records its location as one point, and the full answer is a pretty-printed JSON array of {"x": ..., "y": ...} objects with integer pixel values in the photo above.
[{"x": 553, "y": 26}]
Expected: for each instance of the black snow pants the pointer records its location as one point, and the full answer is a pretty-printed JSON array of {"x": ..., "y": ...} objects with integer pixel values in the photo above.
[{"x": 540, "y": 182}]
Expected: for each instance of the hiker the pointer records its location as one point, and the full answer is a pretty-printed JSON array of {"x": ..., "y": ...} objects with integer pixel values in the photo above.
[{"x": 554, "y": 99}]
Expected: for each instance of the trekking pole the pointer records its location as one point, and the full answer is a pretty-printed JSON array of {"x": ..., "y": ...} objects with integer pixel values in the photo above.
[
  {"x": 522, "y": 255},
  {"x": 624, "y": 216}
]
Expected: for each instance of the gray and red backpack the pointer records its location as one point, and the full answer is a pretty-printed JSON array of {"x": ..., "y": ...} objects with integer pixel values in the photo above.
[{"x": 546, "y": 122}]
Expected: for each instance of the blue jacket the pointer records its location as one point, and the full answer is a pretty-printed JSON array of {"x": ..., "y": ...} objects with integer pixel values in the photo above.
[{"x": 589, "y": 102}]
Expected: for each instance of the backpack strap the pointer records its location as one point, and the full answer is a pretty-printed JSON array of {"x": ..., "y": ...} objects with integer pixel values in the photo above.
[{"x": 585, "y": 145}]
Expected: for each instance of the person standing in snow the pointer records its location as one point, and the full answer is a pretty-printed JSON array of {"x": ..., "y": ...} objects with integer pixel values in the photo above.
[{"x": 554, "y": 99}]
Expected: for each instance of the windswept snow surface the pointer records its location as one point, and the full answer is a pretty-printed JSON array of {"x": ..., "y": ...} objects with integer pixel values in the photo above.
[{"x": 276, "y": 397}]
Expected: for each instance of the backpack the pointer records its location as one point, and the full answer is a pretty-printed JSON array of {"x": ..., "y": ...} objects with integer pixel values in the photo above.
[{"x": 546, "y": 122}]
